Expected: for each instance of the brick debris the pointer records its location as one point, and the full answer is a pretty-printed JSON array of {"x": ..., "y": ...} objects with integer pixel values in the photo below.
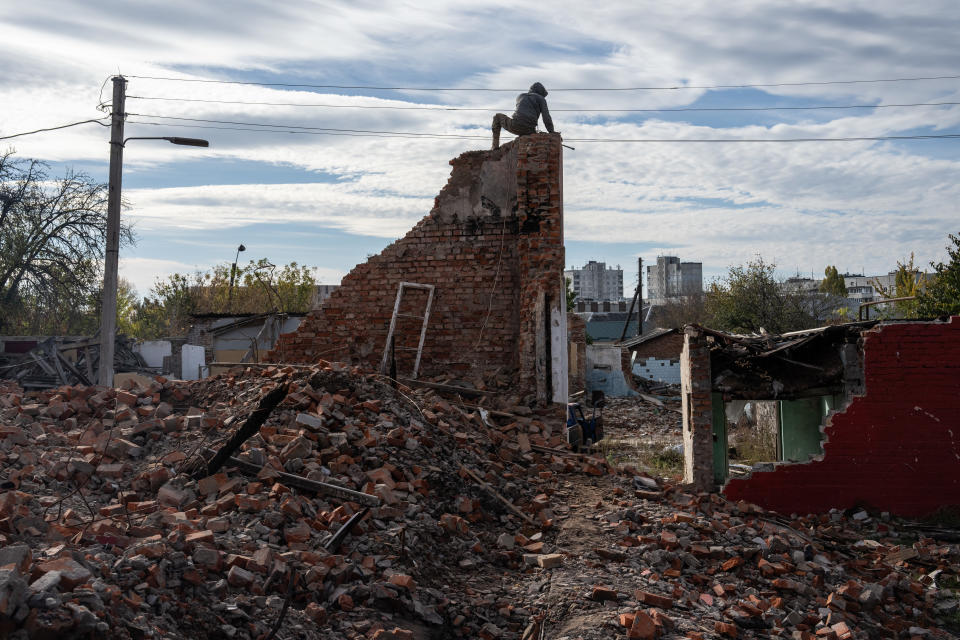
[
  {"x": 481, "y": 526},
  {"x": 105, "y": 531}
]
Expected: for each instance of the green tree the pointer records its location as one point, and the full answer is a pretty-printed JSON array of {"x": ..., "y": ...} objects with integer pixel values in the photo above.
[
  {"x": 908, "y": 281},
  {"x": 571, "y": 294},
  {"x": 260, "y": 287},
  {"x": 941, "y": 297},
  {"x": 127, "y": 308},
  {"x": 833, "y": 283},
  {"x": 751, "y": 298},
  {"x": 287, "y": 288}
]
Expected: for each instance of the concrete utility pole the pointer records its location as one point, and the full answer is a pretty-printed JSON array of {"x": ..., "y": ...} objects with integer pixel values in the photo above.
[
  {"x": 108, "y": 311},
  {"x": 637, "y": 297},
  {"x": 108, "y": 307},
  {"x": 640, "y": 295}
]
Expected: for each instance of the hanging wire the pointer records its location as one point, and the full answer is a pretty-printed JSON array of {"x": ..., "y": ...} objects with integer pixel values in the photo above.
[
  {"x": 63, "y": 126},
  {"x": 640, "y": 88},
  {"x": 286, "y": 129},
  {"x": 493, "y": 109}
]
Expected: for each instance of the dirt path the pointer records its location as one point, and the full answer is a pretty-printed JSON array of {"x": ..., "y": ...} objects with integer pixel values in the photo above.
[
  {"x": 564, "y": 592},
  {"x": 591, "y": 511}
]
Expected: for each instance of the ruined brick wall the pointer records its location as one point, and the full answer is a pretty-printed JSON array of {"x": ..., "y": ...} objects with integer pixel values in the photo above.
[
  {"x": 896, "y": 448},
  {"x": 199, "y": 334},
  {"x": 577, "y": 343},
  {"x": 493, "y": 248},
  {"x": 667, "y": 347},
  {"x": 625, "y": 357},
  {"x": 695, "y": 389}
]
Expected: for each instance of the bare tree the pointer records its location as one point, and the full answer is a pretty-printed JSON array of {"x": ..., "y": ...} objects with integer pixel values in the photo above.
[{"x": 52, "y": 235}]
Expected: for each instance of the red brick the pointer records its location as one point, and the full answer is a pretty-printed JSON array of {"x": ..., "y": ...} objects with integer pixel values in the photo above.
[
  {"x": 481, "y": 266},
  {"x": 653, "y": 599}
]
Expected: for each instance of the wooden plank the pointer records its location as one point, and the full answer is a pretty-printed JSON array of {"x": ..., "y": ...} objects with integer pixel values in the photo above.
[
  {"x": 565, "y": 452},
  {"x": 88, "y": 363},
  {"x": 43, "y": 364},
  {"x": 385, "y": 361},
  {"x": 268, "y": 402},
  {"x": 299, "y": 482},
  {"x": 498, "y": 414},
  {"x": 69, "y": 365},
  {"x": 423, "y": 331},
  {"x": 476, "y": 478},
  {"x": 445, "y": 387}
]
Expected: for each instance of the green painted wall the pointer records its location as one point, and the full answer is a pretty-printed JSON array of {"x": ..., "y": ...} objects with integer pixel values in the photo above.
[
  {"x": 721, "y": 462},
  {"x": 800, "y": 422}
]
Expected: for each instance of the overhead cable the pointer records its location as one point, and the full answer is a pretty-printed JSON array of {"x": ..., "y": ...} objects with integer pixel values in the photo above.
[
  {"x": 271, "y": 126},
  {"x": 493, "y": 109},
  {"x": 331, "y": 132},
  {"x": 411, "y": 134},
  {"x": 63, "y": 126},
  {"x": 642, "y": 88}
]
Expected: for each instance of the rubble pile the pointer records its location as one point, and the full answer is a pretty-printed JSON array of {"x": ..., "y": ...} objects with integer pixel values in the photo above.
[
  {"x": 471, "y": 522},
  {"x": 673, "y": 564},
  {"x": 660, "y": 423},
  {"x": 110, "y": 525}
]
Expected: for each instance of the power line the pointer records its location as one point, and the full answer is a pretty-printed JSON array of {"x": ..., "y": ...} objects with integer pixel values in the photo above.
[
  {"x": 665, "y": 88},
  {"x": 844, "y": 139},
  {"x": 288, "y": 126},
  {"x": 63, "y": 126},
  {"x": 409, "y": 134},
  {"x": 493, "y": 109},
  {"x": 334, "y": 132}
]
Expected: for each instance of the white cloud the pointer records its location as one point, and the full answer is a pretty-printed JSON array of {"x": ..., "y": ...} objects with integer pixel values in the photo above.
[
  {"x": 329, "y": 205},
  {"x": 144, "y": 272},
  {"x": 812, "y": 203}
]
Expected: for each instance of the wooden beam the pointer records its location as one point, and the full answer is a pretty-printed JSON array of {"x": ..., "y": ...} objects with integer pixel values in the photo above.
[
  {"x": 476, "y": 478},
  {"x": 299, "y": 482}
]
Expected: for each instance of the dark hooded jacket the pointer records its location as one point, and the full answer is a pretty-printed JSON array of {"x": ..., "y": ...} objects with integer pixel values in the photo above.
[{"x": 531, "y": 106}]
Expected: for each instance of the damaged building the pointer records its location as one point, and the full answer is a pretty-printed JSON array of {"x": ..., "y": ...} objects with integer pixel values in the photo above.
[
  {"x": 475, "y": 287},
  {"x": 869, "y": 415},
  {"x": 297, "y": 492}
]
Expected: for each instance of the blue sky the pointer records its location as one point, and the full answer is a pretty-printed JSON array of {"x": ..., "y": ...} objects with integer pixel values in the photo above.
[{"x": 330, "y": 201}]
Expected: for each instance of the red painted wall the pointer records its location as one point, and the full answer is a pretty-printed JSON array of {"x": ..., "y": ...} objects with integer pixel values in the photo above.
[{"x": 897, "y": 448}]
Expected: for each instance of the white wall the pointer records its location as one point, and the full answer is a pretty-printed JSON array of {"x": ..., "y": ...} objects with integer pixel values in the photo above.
[
  {"x": 604, "y": 371},
  {"x": 660, "y": 370},
  {"x": 153, "y": 351},
  {"x": 559, "y": 365},
  {"x": 191, "y": 358}
]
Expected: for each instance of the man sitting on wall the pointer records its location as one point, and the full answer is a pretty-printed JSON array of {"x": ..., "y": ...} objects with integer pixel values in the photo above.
[{"x": 530, "y": 106}]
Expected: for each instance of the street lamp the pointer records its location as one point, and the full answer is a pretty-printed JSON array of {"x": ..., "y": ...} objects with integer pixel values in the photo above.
[
  {"x": 233, "y": 273},
  {"x": 108, "y": 311},
  {"x": 186, "y": 142}
]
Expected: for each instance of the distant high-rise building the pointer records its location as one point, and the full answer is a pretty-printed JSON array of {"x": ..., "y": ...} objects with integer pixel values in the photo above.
[
  {"x": 671, "y": 279},
  {"x": 596, "y": 282},
  {"x": 862, "y": 288}
]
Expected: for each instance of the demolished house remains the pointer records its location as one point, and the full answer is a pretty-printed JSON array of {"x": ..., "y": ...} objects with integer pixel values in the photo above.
[
  {"x": 388, "y": 482},
  {"x": 869, "y": 411},
  {"x": 44, "y": 362},
  {"x": 483, "y": 273}
]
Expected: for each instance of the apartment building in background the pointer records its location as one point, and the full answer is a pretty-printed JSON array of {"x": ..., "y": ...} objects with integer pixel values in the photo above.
[
  {"x": 670, "y": 279},
  {"x": 596, "y": 282}
]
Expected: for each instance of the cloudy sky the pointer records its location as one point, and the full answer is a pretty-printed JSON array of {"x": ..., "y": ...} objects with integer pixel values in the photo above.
[{"x": 299, "y": 190}]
